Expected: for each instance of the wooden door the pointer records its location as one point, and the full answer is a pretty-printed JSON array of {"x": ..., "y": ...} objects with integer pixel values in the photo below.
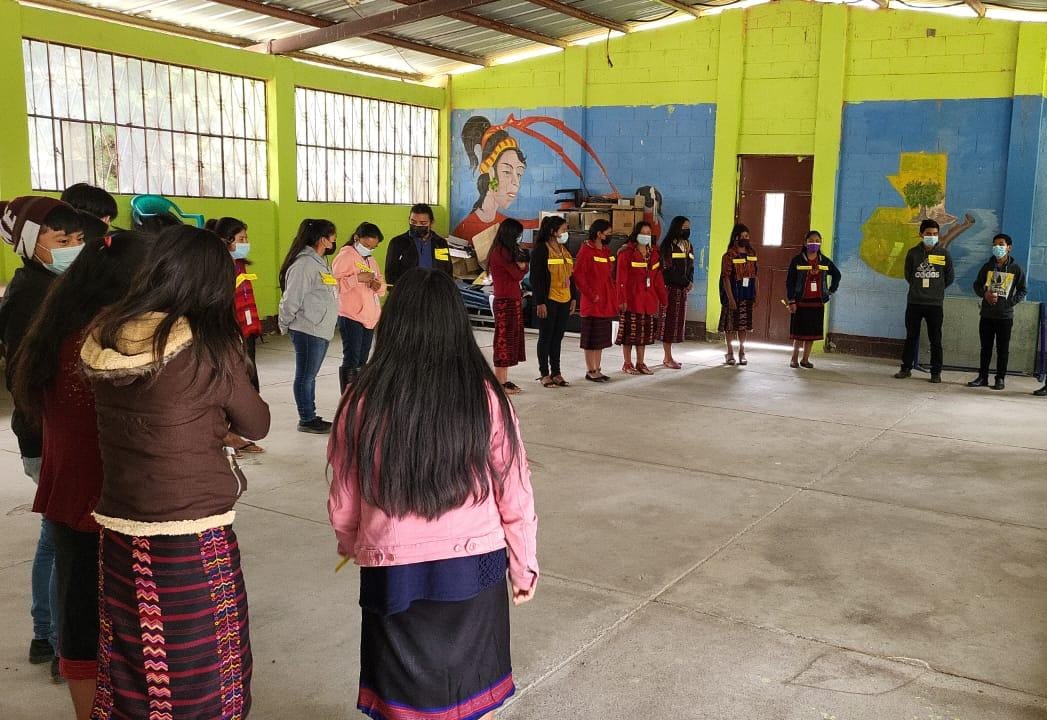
[{"x": 774, "y": 201}]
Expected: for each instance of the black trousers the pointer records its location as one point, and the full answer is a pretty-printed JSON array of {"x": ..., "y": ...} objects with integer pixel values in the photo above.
[
  {"x": 998, "y": 331},
  {"x": 250, "y": 346},
  {"x": 550, "y": 336},
  {"x": 914, "y": 316}
]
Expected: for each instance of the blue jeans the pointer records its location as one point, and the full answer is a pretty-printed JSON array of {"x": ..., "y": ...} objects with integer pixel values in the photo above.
[
  {"x": 45, "y": 598},
  {"x": 309, "y": 352},
  {"x": 356, "y": 343}
]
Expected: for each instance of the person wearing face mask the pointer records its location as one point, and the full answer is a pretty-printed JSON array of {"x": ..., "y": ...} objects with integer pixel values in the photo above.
[
  {"x": 1000, "y": 283},
  {"x": 738, "y": 278},
  {"x": 812, "y": 279},
  {"x": 420, "y": 246},
  {"x": 678, "y": 267},
  {"x": 594, "y": 279},
  {"x": 929, "y": 271},
  {"x": 554, "y": 295},
  {"x": 641, "y": 294},
  {"x": 507, "y": 265},
  {"x": 47, "y": 235},
  {"x": 361, "y": 288},
  {"x": 309, "y": 313}
]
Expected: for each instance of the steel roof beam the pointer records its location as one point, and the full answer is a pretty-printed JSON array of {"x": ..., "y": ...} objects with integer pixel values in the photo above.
[
  {"x": 570, "y": 10},
  {"x": 365, "y": 26},
  {"x": 682, "y": 7},
  {"x": 302, "y": 18},
  {"x": 977, "y": 6},
  {"x": 498, "y": 26}
]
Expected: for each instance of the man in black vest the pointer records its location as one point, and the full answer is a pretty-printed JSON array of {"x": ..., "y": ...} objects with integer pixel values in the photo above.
[{"x": 419, "y": 247}]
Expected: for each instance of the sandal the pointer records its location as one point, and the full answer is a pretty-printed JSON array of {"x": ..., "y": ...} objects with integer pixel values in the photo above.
[
  {"x": 672, "y": 365},
  {"x": 630, "y": 369},
  {"x": 594, "y": 376},
  {"x": 807, "y": 364},
  {"x": 558, "y": 381},
  {"x": 728, "y": 359},
  {"x": 511, "y": 388},
  {"x": 642, "y": 368},
  {"x": 793, "y": 364},
  {"x": 742, "y": 360},
  {"x": 547, "y": 382},
  {"x": 251, "y": 448}
]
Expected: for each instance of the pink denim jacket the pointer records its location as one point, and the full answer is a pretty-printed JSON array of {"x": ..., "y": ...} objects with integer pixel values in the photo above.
[
  {"x": 505, "y": 519},
  {"x": 357, "y": 301}
]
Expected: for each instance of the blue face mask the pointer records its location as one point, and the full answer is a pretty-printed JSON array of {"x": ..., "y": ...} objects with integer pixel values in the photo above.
[
  {"x": 62, "y": 258},
  {"x": 930, "y": 240},
  {"x": 364, "y": 250},
  {"x": 999, "y": 251},
  {"x": 240, "y": 250},
  {"x": 643, "y": 239}
]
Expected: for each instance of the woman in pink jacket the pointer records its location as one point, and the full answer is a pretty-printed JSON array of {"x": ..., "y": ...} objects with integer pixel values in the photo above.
[
  {"x": 437, "y": 522},
  {"x": 361, "y": 288}
]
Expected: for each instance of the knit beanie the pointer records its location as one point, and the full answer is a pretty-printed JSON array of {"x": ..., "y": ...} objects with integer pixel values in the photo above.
[{"x": 21, "y": 220}]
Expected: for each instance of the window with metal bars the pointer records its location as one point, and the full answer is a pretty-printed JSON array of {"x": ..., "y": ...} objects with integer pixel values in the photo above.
[
  {"x": 134, "y": 126},
  {"x": 360, "y": 150}
]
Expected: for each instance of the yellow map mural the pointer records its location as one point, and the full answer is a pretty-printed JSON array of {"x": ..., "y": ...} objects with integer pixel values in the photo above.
[{"x": 890, "y": 231}]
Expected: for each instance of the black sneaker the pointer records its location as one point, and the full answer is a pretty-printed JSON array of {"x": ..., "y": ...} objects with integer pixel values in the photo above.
[
  {"x": 56, "y": 675},
  {"x": 40, "y": 652},
  {"x": 979, "y": 382},
  {"x": 936, "y": 379},
  {"x": 999, "y": 384},
  {"x": 316, "y": 426},
  {"x": 1041, "y": 392},
  {"x": 902, "y": 374}
]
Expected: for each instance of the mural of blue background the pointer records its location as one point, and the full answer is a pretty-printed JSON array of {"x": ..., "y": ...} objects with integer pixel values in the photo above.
[
  {"x": 670, "y": 147},
  {"x": 975, "y": 134}
]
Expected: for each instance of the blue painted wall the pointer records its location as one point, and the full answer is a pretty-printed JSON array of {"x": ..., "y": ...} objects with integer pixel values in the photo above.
[
  {"x": 670, "y": 147},
  {"x": 975, "y": 134}
]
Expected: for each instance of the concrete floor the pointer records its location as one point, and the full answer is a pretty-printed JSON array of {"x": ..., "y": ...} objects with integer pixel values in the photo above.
[{"x": 759, "y": 543}]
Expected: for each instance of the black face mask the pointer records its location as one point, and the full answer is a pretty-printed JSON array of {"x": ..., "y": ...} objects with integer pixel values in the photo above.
[
  {"x": 418, "y": 232},
  {"x": 685, "y": 234},
  {"x": 329, "y": 251}
]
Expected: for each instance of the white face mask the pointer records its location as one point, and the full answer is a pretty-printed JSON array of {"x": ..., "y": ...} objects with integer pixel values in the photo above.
[
  {"x": 564, "y": 237},
  {"x": 643, "y": 239}
]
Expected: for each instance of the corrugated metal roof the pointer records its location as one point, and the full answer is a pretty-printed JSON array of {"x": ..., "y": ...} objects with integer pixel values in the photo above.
[{"x": 447, "y": 33}]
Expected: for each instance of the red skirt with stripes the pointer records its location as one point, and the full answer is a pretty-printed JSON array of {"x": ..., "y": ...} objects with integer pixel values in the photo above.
[
  {"x": 674, "y": 327},
  {"x": 173, "y": 641},
  {"x": 509, "y": 348}
]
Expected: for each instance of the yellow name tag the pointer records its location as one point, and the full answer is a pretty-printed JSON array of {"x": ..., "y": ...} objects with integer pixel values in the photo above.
[
  {"x": 656, "y": 266},
  {"x": 639, "y": 264},
  {"x": 936, "y": 259},
  {"x": 553, "y": 261},
  {"x": 738, "y": 261},
  {"x": 245, "y": 277},
  {"x": 803, "y": 267},
  {"x": 611, "y": 258},
  {"x": 602, "y": 260},
  {"x": 679, "y": 256},
  {"x": 327, "y": 279},
  {"x": 823, "y": 267},
  {"x": 751, "y": 258},
  {"x": 442, "y": 254}
]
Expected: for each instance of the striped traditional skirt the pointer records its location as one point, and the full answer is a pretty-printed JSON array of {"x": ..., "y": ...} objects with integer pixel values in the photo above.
[
  {"x": 596, "y": 333},
  {"x": 636, "y": 329},
  {"x": 808, "y": 322},
  {"x": 174, "y": 641},
  {"x": 509, "y": 346},
  {"x": 675, "y": 323},
  {"x": 741, "y": 318}
]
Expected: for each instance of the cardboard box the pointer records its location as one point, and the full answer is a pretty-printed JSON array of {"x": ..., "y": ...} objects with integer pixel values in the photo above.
[
  {"x": 638, "y": 202},
  {"x": 589, "y": 218},
  {"x": 623, "y": 221}
]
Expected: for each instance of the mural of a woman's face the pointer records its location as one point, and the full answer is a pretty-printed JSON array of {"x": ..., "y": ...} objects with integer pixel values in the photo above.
[{"x": 506, "y": 175}]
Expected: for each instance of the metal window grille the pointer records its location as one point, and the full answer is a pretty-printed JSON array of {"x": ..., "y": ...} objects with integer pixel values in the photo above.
[
  {"x": 135, "y": 126},
  {"x": 360, "y": 150}
]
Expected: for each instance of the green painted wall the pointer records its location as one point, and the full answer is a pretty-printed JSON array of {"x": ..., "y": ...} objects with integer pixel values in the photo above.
[{"x": 272, "y": 223}]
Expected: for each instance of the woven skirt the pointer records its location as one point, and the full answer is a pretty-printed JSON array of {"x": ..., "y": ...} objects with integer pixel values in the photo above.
[
  {"x": 741, "y": 318},
  {"x": 437, "y": 660},
  {"x": 596, "y": 333},
  {"x": 675, "y": 323},
  {"x": 509, "y": 346},
  {"x": 173, "y": 641},
  {"x": 636, "y": 329},
  {"x": 807, "y": 323}
]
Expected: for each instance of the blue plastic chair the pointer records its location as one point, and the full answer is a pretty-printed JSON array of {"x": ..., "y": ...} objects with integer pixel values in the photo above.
[{"x": 144, "y": 206}]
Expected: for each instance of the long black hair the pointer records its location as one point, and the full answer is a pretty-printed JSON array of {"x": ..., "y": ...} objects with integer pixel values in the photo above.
[
  {"x": 508, "y": 237},
  {"x": 736, "y": 236},
  {"x": 674, "y": 233},
  {"x": 310, "y": 232},
  {"x": 423, "y": 404},
  {"x": 187, "y": 275},
  {"x": 472, "y": 135},
  {"x": 550, "y": 224},
  {"x": 100, "y": 276}
]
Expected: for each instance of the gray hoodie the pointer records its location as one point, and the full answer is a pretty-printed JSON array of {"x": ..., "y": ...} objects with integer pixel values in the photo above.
[{"x": 310, "y": 300}]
